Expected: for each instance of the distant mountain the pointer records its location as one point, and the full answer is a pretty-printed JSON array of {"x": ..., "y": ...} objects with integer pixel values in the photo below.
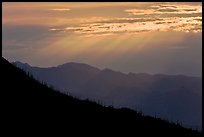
[
  {"x": 177, "y": 98},
  {"x": 31, "y": 107}
]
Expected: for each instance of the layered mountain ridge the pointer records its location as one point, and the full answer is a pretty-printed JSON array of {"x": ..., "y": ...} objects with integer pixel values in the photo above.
[
  {"x": 173, "y": 97},
  {"x": 32, "y": 107}
]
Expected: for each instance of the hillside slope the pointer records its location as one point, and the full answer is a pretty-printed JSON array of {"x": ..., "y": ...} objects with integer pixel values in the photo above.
[
  {"x": 30, "y": 105},
  {"x": 173, "y": 97}
]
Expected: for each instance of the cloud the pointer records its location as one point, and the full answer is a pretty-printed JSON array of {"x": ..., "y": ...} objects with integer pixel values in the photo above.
[
  {"x": 166, "y": 9},
  {"x": 157, "y": 17},
  {"x": 60, "y": 9},
  {"x": 138, "y": 25}
]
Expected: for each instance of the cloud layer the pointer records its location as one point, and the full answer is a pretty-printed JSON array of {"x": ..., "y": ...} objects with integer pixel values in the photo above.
[{"x": 161, "y": 17}]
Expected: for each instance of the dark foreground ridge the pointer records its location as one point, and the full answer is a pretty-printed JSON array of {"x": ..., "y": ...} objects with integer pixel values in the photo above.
[{"x": 30, "y": 106}]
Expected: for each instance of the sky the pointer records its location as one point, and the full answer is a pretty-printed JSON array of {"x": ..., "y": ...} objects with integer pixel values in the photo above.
[{"x": 128, "y": 37}]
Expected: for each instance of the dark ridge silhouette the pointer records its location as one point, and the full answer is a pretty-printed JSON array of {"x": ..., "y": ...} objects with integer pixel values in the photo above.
[
  {"x": 31, "y": 106},
  {"x": 173, "y": 97}
]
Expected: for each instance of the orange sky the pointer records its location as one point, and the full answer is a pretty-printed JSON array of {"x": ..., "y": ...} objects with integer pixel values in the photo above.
[{"x": 121, "y": 36}]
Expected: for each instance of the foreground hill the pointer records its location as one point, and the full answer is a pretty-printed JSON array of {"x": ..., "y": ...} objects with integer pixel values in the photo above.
[
  {"x": 30, "y": 105},
  {"x": 172, "y": 97}
]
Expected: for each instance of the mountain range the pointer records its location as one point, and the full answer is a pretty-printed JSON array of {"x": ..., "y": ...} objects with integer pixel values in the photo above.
[
  {"x": 177, "y": 98},
  {"x": 31, "y": 107}
]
